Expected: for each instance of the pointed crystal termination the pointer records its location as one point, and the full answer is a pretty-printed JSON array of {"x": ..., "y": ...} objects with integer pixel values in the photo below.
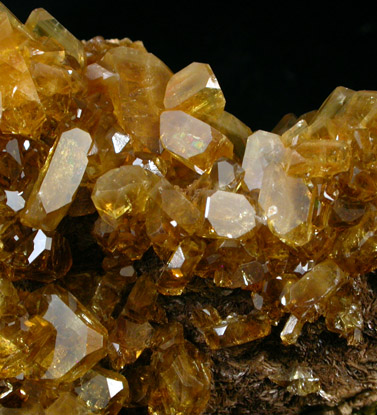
[
  {"x": 234, "y": 129},
  {"x": 180, "y": 267},
  {"x": 58, "y": 181},
  {"x": 42, "y": 24},
  {"x": 193, "y": 142},
  {"x": 22, "y": 112},
  {"x": 195, "y": 90},
  {"x": 78, "y": 340}
]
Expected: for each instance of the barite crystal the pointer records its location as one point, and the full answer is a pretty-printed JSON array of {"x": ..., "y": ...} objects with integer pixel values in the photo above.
[
  {"x": 134, "y": 210},
  {"x": 195, "y": 90},
  {"x": 58, "y": 181},
  {"x": 192, "y": 141}
]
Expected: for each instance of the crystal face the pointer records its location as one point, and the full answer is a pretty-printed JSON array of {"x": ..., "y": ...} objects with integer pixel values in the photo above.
[{"x": 135, "y": 210}]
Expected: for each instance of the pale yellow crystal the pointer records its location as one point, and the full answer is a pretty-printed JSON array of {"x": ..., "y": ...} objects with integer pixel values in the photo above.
[
  {"x": 286, "y": 202},
  {"x": 231, "y": 215},
  {"x": 195, "y": 90},
  {"x": 292, "y": 330},
  {"x": 193, "y": 142},
  {"x": 58, "y": 181},
  {"x": 262, "y": 148}
]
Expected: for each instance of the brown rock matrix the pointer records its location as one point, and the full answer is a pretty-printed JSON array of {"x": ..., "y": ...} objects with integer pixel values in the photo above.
[{"x": 153, "y": 247}]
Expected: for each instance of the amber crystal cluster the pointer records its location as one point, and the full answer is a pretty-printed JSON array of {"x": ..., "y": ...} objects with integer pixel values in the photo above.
[{"x": 102, "y": 129}]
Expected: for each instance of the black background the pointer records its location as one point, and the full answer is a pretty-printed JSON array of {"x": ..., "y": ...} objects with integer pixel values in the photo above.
[{"x": 270, "y": 58}]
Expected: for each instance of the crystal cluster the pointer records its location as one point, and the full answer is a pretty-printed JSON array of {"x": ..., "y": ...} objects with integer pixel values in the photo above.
[{"x": 103, "y": 128}]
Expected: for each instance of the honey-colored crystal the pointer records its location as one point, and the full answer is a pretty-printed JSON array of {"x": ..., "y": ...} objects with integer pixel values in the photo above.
[
  {"x": 143, "y": 75},
  {"x": 180, "y": 267},
  {"x": 102, "y": 391},
  {"x": 232, "y": 330},
  {"x": 195, "y": 90},
  {"x": 42, "y": 24},
  {"x": 183, "y": 380},
  {"x": 127, "y": 341},
  {"x": 22, "y": 112},
  {"x": 77, "y": 341},
  {"x": 309, "y": 294},
  {"x": 121, "y": 191},
  {"x": 127, "y": 193}
]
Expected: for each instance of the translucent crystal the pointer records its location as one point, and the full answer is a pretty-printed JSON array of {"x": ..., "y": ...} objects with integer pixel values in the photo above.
[
  {"x": 58, "y": 181},
  {"x": 143, "y": 75},
  {"x": 232, "y": 330},
  {"x": 77, "y": 342},
  {"x": 193, "y": 142},
  {"x": 121, "y": 191},
  {"x": 195, "y": 90},
  {"x": 262, "y": 149},
  {"x": 231, "y": 215},
  {"x": 42, "y": 24},
  {"x": 286, "y": 202},
  {"x": 102, "y": 391},
  {"x": 183, "y": 380}
]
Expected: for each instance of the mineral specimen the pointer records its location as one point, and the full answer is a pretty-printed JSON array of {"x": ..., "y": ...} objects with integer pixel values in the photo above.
[{"x": 126, "y": 189}]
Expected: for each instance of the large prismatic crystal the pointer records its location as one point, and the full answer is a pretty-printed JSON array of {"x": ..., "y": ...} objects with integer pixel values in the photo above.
[{"x": 127, "y": 193}]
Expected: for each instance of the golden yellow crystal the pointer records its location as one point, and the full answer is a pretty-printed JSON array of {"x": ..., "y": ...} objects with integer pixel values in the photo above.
[
  {"x": 232, "y": 330},
  {"x": 127, "y": 341},
  {"x": 180, "y": 267},
  {"x": 102, "y": 147},
  {"x": 183, "y": 378},
  {"x": 121, "y": 191},
  {"x": 143, "y": 75},
  {"x": 77, "y": 340},
  {"x": 42, "y": 24},
  {"x": 195, "y": 90},
  {"x": 58, "y": 181},
  {"x": 102, "y": 391}
]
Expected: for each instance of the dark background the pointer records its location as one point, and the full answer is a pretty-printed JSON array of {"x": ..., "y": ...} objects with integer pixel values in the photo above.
[{"x": 269, "y": 57}]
